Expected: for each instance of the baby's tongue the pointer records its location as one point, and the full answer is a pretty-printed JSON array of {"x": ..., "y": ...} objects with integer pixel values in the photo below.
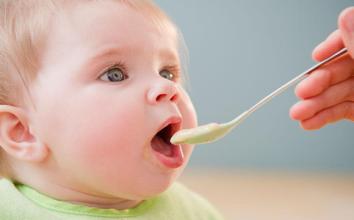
[{"x": 159, "y": 145}]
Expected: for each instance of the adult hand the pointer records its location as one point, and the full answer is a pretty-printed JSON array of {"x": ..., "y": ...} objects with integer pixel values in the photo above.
[{"x": 327, "y": 95}]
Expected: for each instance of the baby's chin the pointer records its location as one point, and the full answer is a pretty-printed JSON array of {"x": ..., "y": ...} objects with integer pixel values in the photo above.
[
  {"x": 149, "y": 191},
  {"x": 157, "y": 187},
  {"x": 153, "y": 182}
]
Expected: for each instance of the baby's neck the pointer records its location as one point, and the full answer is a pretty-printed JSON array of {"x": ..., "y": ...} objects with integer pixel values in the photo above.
[
  {"x": 82, "y": 198},
  {"x": 100, "y": 202},
  {"x": 60, "y": 191}
]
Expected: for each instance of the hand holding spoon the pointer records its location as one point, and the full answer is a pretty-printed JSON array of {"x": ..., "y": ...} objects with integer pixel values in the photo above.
[{"x": 214, "y": 131}]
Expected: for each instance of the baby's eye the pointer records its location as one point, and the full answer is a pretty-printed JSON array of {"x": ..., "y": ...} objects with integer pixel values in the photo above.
[
  {"x": 167, "y": 75},
  {"x": 114, "y": 74}
]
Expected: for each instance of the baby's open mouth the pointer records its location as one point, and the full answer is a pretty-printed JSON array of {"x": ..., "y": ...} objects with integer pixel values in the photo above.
[
  {"x": 170, "y": 155},
  {"x": 162, "y": 140}
]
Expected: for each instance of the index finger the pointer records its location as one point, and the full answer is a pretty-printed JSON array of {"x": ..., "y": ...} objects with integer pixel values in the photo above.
[
  {"x": 318, "y": 81},
  {"x": 328, "y": 47}
]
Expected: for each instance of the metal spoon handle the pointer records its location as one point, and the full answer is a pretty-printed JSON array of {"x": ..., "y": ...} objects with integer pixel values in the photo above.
[{"x": 281, "y": 89}]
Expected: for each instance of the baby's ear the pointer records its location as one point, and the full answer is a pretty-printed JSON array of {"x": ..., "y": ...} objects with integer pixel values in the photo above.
[{"x": 16, "y": 138}]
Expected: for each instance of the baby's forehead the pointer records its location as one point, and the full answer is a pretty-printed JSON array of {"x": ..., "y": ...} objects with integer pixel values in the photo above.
[
  {"x": 125, "y": 9},
  {"x": 105, "y": 27},
  {"x": 113, "y": 20},
  {"x": 109, "y": 22}
]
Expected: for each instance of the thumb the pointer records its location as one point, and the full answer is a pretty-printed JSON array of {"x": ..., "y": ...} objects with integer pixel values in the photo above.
[{"x": 346, "y": 27}]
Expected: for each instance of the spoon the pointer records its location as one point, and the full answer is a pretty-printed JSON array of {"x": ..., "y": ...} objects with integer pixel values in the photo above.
[{"x": 214, "y": 131}]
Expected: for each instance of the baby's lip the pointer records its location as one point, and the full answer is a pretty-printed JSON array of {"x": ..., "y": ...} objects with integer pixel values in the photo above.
[
  {"x": 168, "y": 154},
  {"x": 174, "y": 121}
]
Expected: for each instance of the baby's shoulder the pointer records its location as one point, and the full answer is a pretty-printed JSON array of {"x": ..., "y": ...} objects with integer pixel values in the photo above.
[
  {"x": 178, "y": 191},
  {"x": 14, "y": 205},
  {"x": 9, "y": 199},
  {"x": 7, "y": 191},
  {"x": 191, "y": 204}
]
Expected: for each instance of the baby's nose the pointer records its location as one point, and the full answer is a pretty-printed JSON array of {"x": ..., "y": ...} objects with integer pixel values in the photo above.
[{"x": 163, "y": 91}]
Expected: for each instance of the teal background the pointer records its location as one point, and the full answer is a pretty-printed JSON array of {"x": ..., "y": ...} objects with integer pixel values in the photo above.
[{"x": 241, "y": 51}]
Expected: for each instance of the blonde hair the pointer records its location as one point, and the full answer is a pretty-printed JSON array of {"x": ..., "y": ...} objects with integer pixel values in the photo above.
[{"x": 23, "y": 25}]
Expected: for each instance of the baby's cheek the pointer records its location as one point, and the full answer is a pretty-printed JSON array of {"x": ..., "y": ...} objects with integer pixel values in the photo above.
[
  {"x": 105, "y": 143},
  {"x": 109, "y": 154},
  {"x": 115, "y": 135},
  {"x": 187, "y": 110}
]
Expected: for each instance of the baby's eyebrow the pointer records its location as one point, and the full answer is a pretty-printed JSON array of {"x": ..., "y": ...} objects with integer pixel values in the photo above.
[
  {"x": 94, "y": 60},
  {"x": 169, "y": 54},
  {"x": 108, "y": 52},
  {"x": 165, "y": 53}
]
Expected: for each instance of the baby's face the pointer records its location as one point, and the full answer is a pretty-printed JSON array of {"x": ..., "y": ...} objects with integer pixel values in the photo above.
[{"x": 106, "y": 87}]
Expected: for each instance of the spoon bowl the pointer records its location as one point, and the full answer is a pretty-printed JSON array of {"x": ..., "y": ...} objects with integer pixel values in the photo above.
[{"x": 206, "y": 133}]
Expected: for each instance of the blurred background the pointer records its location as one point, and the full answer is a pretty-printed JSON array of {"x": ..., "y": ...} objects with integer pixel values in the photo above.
[{"x": 268, "y": 167}]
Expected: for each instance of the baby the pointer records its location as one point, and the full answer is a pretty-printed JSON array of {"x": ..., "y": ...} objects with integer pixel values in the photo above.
[{"x": 90, "y": 94}]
